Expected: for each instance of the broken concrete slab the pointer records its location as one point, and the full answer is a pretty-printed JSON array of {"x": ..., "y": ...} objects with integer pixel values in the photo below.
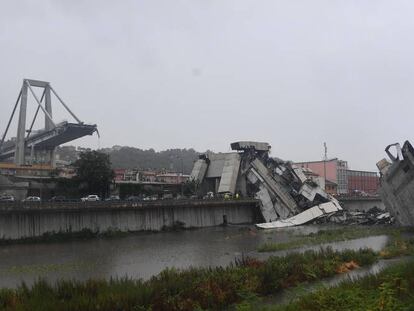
[
  {"x": 230, "y": 173},
  {"x": 306, "y": 216}
]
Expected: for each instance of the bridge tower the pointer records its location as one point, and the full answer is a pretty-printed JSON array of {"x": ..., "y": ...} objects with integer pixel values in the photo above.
[{"x": 45, "y": 140}]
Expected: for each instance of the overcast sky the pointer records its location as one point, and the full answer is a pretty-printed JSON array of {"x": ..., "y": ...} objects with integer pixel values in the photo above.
[{"x": 204, "y": 73}]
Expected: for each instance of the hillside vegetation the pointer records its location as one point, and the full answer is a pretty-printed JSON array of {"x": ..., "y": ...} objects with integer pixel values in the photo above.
[{"x": 178, "y": 160}]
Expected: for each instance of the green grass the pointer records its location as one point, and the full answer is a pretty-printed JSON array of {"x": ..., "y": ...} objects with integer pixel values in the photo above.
[
  {"x": 190, "y": 289},
  {"x": 390, "y": 290},
  {"x": 238, "y": 286},
  {"x": 383, "y": 292},
  {"x": 398, "y": 246},
  {"x": 332, "y": 235}
]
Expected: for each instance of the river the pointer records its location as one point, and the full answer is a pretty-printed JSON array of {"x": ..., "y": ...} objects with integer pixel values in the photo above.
[{"x": 143, "y": 255}]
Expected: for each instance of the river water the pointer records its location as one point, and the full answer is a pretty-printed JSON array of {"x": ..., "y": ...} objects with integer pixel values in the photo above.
[{"x": 146, "y": 254}]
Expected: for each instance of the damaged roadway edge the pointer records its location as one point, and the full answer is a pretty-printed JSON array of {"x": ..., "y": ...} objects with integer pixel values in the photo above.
[
  {"x": 287, "y": 197},
  {"x": 397, "y": 182}
]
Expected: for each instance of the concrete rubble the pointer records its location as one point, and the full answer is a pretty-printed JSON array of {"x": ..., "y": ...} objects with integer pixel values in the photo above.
[
  {"x": 397, "y": 182},
  {"x": 287, "y": 196},
  {"x": 374, "y": 216}
]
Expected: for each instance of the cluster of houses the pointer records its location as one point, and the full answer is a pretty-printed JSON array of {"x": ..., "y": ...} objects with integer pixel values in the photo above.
[{"x": 149, "y": 177}]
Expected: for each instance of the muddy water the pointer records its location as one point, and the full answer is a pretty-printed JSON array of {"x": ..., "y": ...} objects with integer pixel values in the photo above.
[{"x": 146, "y": 254}]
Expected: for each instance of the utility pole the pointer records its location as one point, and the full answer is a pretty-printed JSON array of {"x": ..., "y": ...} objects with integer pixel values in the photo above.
[
  {"x": 325, "y": 157},
  {"x": 182, "y": 178},
  {"x": 182, "y": 165}
]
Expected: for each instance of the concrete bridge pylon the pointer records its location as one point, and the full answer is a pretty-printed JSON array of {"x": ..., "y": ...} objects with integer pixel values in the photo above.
[{"x": 28, "y": 142}]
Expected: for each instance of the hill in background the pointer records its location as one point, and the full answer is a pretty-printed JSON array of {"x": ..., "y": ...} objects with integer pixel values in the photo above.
[{"x": 178, "y": 160}]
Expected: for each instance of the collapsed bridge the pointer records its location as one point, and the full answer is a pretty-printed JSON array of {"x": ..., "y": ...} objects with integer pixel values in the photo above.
[
  {"x": 30, "y": 144},
  {"x": 287, "y": 196}
]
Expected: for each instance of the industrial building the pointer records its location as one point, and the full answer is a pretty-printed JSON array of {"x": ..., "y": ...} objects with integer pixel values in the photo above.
[
  {"x": 341, "y": 180},
  {"x": 362, "y": 182}
]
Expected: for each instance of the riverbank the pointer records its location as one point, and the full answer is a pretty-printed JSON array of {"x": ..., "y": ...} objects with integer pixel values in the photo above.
[
  {"x": 389, "y": 290},
  {"x": 239, "y": 286},
  {"x": 205, "y": 288},
  {"x": 333, "y": 235}
]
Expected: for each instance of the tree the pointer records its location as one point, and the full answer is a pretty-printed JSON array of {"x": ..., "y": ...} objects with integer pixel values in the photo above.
[
  {"x": 189, "y": 188},
  {"x": 94, "y": 169}
]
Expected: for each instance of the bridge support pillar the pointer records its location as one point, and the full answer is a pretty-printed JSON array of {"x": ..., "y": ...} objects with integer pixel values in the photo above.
[
  {"x": 51, "y": 159},
  {"x": 19, "y": 157},
  {"x": 48, "y": 106}
]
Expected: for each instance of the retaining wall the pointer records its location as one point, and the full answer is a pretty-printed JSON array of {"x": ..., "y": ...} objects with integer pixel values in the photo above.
[
  {"x": 361, "y": 203},
  {"x": 19, "y": 221}
]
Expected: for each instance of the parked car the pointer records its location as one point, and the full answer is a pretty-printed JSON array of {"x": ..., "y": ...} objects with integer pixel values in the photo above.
[
  {"x": 151, "y": 198},
  {"x": 32, "y": 199},
  {"x": 228, "y": 196},
  {"x": 167, "y": 196},
  {"x": 209, "y": 195},
  {"x": 58, "y": 198},
  {"x": 113, "y": 198},
  {"x": 360, "y": 193},
  {"x": 133, "y": 198},
  {"x": 91, "y": 198},
  {"x": 6, "y": 198}
]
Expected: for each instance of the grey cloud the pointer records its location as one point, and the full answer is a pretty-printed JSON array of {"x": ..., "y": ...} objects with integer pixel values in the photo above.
[{"x": 294, "y": 73}]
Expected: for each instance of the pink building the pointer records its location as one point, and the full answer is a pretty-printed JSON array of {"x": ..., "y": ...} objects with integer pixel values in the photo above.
[
  {"x": 119, "y": 173},
  {"x": 334, "y": 170},
  {"x": 347, "y": 181}
]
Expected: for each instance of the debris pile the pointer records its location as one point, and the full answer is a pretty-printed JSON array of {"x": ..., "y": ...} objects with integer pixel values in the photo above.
[
  {"x": 287, "y": 196},
  {"x": 374, "y": 216},
  {"x": 397, "y": 182}
]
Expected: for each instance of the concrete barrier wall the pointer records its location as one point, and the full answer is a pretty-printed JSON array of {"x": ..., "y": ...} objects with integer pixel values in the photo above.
[
  {"x": 362, "y": 204},
  {"x": 18, "y": 223}
]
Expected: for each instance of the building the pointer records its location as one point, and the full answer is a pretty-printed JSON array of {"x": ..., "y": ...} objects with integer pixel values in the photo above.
[
  {"x": 334, "y": 170},
  {"x": 137, "y": 176},
  {"x": 329, "y": 186},
  {"x": 172, "y": 178},
  {"x": 341, "y": 180},
  {"x": 362, "y": 182},
  {"x": 35, "y": 170},
  {"x": 147, "y": 176},
  {"x": 131, "y": 174},
  {"x": 119, "y": 174},
  {"x": 67, "y": 172},
  {"x": 319, "y": 180}
]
